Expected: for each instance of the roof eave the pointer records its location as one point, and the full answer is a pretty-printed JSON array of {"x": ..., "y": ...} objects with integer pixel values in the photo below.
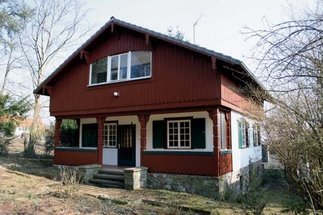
[{"x": 157, "y": 35}]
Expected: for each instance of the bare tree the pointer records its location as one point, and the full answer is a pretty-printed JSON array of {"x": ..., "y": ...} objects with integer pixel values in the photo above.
[
  {"x": 13, "y": 17},
  {"x": 291, "y": 62},
  {"x": 55, "y": 27},
  {"x": 10, "y": 54}
]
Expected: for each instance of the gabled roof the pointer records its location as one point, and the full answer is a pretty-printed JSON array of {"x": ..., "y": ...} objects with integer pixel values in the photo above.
[{"x": 178, "y": 42}]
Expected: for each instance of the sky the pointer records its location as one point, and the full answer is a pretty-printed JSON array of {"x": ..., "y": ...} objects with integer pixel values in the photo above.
[{"x": 219, "y": 28}]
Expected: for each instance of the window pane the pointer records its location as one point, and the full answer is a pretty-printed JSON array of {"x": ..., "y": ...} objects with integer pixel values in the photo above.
[
  {"x": 99, "y": 71},
  {"x": 223, "y": 130},
  {"x": 114, "y": 68},
  {"x": 110, "y": 138},
  {"x": 179, "y": 134},
  {"x": 123, "y": 66},
  {"x": 140, "y": 64},
  {"x": 89, "y": 135}
]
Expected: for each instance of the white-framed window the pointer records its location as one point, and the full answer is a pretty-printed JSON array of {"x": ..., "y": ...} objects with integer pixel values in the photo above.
[
  {"x": 179, "y": 134},
  {"x": 256, "y": 135},
  {"x": 243, "y": 127},
  {"x": 110, "y": 135},
  {"x": 223, "y": 130},
  {"x": 132, "y": 65},
  {"x": 98, "y": 71}
]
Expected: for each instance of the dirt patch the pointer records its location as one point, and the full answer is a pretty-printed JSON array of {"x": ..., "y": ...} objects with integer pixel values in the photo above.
[{"x": 27, "y": 187}]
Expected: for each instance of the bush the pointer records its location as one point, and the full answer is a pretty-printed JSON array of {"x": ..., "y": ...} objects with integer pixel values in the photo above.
[
  {"x": 69, "y": 133},
  {"x": 4, "y": 142},
  {"x": 50, "y": 139},
  {"x": 273, "y": 176},
  {"x": 12, "y": 112},
  {"x": 253, "y": 201},
  {"x": 69, "y": 182}
]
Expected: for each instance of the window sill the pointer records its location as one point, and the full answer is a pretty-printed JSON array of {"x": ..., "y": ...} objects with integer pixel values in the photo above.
[
  {"x": 177, "y": 153},
  {"x": 109, "y": 147},
  {"x": 117, "y": 82},
  {"x": 225, "y": 151}
]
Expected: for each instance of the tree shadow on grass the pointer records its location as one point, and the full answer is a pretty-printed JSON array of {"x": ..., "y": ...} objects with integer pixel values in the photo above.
[{"x": 37, "y": 167}]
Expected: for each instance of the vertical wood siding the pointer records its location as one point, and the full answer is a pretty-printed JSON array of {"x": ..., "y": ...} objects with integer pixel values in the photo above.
[
  {"x": 179, "y": 76},
  {"x": 231, "y": 93},
  {"x": 75, "y": 158},
  {"x": 180, "y": 164}
]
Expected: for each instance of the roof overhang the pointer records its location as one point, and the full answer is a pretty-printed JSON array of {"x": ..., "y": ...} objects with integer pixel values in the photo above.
[{"x": 80, "y": 52}]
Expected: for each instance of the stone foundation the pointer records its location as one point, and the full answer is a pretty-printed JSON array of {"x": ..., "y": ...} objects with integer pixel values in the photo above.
[
  {"x": 221, "y": 187},
  {"x": 202, "y": 185}
]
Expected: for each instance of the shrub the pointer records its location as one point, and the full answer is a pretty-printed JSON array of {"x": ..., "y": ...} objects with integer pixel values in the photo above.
[
  {"x": 69, "y": 132},
  {"x": 252, "y": 201},
  {"x": 69, "y": 182},
  {"x": 50, "y": 139}
]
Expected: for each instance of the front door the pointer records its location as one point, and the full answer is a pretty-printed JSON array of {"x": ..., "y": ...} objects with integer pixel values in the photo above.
[{"x": 126, "y": 145}]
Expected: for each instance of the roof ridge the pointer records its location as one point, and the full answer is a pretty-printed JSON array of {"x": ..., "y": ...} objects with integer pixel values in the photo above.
[{"x": 156, "y": 34}]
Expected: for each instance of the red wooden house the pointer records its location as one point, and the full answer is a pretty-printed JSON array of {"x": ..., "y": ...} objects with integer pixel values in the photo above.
[{"x": 142, "y": 98}]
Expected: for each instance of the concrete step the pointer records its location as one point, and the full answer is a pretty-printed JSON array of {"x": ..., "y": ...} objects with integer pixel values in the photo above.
[
  {"x": 109, "y": 177},
  {"x": 107, "y": 183},
  {"x": 111, "y": 171}
]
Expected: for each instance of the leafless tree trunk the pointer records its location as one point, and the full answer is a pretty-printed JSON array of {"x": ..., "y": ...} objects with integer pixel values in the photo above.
[
  {"x": 11, "y": 63},
  {"x": 54, "y": 28}
]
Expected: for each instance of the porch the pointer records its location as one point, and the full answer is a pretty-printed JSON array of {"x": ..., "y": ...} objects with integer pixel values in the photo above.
[
  {"x": 107, "y": 141},
  {"x": 140, "y": 140}
]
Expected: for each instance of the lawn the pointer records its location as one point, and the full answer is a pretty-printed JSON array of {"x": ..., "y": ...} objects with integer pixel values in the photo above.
[
  {"x": 32, "y": 186},
  {"x": 27, "y": 186}
]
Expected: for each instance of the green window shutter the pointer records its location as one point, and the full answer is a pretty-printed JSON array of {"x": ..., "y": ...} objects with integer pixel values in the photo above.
[
  {"x": 159, "y": 137},
  {"x": 198, "y": 133},
  {"x": 89, "y": 135},
  {"x": 240, "y": 130}
]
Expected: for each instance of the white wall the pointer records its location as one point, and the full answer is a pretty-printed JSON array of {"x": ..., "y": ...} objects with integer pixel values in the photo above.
[
  {"x": 242, "y": 157},
  {"x": 208, "y": 130},
  {"x": 110, "y": 156}
]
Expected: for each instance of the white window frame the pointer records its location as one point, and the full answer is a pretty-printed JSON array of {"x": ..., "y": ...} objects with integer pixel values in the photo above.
[
  {"x": 109, "y": 81},
  {"x": 179, "y": 134},
  {"x": 106, "y": 141},
  {"x": 243, "y": 130},
  {"x": 90, "y": 75}
]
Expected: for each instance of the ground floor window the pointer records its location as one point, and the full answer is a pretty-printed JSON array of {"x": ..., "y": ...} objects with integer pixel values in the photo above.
[
  {"x": 90, "y": 135},
  {"x": 256, "y": 135},
  {"x": 110, "y": 135},
  {"x": 243, "y": 127},
  {"x": 179, "y": 134},
  {"x": 224, "y": 129}
]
